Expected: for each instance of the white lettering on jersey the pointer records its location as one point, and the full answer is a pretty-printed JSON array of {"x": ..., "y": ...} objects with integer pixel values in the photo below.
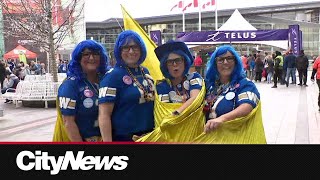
[{"x": 67, "y": 103}]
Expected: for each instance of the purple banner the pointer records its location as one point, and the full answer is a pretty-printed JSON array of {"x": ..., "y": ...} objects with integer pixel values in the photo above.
[
  {"x": 294, "y": 39},
  {"x": 230, "y": 36},
  {"x": 156, "y": 37}
]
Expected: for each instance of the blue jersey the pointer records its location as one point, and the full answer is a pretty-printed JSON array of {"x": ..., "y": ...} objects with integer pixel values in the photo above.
[
  {"x": 170, "y": 94},
  {"x": 80, "y": 99},
  {"x": 132, "y": 114},
  {"x": 231, "y": 97}
]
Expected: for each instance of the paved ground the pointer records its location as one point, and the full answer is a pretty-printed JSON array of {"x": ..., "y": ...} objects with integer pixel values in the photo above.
[
  {"x": 290, "y": 116},
  {"x": 26, "y": 124}
]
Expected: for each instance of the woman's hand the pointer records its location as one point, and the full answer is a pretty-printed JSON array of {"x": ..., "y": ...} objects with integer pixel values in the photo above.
[
  {"x": 136, "y": 137},
  {"x": 213, "y": 124}
]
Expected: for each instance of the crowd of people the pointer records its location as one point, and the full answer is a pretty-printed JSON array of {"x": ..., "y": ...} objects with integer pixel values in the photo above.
[
  {"x": 99, "y": 103},
  {"x": 12, "y": 72},
  {"x": 277, "y": 68}
]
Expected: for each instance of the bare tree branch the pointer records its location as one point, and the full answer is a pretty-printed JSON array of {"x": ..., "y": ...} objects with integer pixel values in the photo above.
[{"x": 45, "y": 23}]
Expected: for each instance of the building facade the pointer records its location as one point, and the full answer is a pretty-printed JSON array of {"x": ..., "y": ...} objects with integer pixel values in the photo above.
[{"x": 262, "y": 18}]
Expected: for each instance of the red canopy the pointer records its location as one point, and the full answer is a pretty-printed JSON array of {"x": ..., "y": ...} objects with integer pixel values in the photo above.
[{"x": 14, "y": 54}]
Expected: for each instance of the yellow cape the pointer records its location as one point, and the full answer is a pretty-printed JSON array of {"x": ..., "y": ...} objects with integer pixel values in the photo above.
[
  {"x": 182, "y": 128},
  {"x": 60, "y": 133},
  {"x": 189, "y": 126}
]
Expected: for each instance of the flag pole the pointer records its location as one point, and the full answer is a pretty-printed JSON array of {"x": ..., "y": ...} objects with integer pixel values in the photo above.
[
  {"x": 199, "y": 5},
  {"x": 183, "y": 23},
  {"x": 216, "y": 14},
  {"x": 183, "y": 18}
]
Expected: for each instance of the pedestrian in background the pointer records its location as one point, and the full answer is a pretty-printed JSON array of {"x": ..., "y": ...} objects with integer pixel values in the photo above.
[
  {"x": 198, "y": 64},
  {"x": 290, "y": 64},
  {"x": 278, "y": 66},
  {"x": 302, "y": 67},
  {"x": 258, "y": 68},
  {"x": 316, "y": 71},
  {"x": 269, "y": 68}
]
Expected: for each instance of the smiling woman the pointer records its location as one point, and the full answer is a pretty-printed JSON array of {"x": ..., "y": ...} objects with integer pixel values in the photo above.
[
  {"x": 127, "y": 92},
  {"x": 229, "y": 95},
  {"x": 78, "y": 94}
]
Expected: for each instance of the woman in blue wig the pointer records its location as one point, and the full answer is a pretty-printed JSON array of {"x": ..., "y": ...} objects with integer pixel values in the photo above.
[
  {"x": 78, "y": 94},
  {"x": 229, "y": 94},
  {"x": 180, "y": 86},
  {"x": 126, "y": 96}
]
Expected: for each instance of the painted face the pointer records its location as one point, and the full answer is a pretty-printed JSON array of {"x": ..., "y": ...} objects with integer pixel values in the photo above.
[
  {"x": 90, "y": 60},
  {"x": 176, "y": 65},
  {"x": 225, "y": 64},
  {"x": 131, "y": 53}
]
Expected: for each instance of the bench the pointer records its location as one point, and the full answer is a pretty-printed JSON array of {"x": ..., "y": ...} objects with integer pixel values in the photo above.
[{"x": 34, "y": 91}]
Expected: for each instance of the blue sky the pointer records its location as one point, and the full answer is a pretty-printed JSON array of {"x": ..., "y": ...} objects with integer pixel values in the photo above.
[{"x": 99, "y": 10}]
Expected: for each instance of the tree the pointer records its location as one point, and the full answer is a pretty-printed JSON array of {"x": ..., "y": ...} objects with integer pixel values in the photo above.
[{"x": 44, "y": 23}]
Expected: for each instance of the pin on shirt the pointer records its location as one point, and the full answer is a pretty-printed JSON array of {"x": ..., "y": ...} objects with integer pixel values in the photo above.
[
  {"x": 230, "y": 95},
  {"x": 172, "y": 94},
  {"x": 88, "y": 93},
  {"x": 88, "y": 103},
  {"x": 127, "y": 80},
  {"x": 186, "y": 85}
]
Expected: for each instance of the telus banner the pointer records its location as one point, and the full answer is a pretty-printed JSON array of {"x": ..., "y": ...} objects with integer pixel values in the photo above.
[
  {"x": 156, "y": 37},
  {"x": 295, "y": 39},
  {"x": 230, "y": 36}
]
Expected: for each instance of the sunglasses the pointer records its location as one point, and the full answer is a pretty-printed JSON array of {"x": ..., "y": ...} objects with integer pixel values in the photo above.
[
  {"x": 229, "y": 59},
  {"x": 86, "y": 55},
  {"x": 170, "y": 62},
  {"x": 133, "y": 47}
]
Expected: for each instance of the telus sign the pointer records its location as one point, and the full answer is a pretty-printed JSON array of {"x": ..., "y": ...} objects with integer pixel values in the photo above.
[
  {"x": 294, "y": 39},
  {"x": 293, "y": 35},
  {"x": 229, "y": 36}
]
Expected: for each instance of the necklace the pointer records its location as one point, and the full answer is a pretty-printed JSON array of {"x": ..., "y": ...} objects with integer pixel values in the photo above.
[
  {"x": 147, "y": 96},
  {"x": 94, "y": 87},
  {"x": 214, "y": 94}
]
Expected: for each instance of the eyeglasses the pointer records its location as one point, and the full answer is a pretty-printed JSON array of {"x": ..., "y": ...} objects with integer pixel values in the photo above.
[
  {"x": 179, "y": 60},
  {"x": 133, "y": 47},
  {"x": 220, "y": 60},
  {"x": 86, "y": 55}
]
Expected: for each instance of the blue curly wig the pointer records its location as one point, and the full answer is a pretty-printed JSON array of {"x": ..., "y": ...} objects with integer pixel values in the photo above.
[
  {"x": 212, "y": 73},
  {"x": 125, "y": 38},
  {"x": 74, "y": 67},
  {"x": 163, "y": 63}
]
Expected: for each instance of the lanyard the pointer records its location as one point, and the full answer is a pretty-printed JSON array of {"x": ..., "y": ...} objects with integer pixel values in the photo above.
[
  {"x": 94, "y": 88},
  {"x": 146, "y": 94}
]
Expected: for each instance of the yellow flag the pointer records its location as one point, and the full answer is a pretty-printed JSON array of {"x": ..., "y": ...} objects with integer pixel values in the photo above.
[
  {"x": 151, "y": 62},
  {"x": 59, "y": 133}
]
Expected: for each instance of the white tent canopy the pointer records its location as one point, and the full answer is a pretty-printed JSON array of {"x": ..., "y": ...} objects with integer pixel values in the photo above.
[{"x": 236, "y": 23}]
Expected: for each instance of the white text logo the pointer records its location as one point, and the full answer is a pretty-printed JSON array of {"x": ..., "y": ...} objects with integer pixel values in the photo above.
[{"x": 42, "y": 161}]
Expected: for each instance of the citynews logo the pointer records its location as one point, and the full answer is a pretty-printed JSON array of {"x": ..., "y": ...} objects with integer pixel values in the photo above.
[{"x": 42, "y": 161}]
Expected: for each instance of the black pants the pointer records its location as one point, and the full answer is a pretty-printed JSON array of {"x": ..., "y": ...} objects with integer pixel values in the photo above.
[
  {"x": 5, "y": 89},
  {"x": 277, "y": 76},
  {"x": 258, "y": 76},
  {"x": 303, "y": 73}
]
